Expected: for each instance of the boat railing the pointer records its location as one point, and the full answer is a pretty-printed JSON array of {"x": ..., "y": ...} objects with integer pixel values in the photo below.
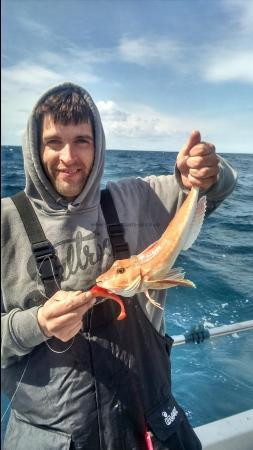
[{"x": 199, "y": 333}]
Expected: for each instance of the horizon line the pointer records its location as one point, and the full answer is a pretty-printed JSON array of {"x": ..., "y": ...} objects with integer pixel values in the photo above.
[{"x": 146, "y": 150}]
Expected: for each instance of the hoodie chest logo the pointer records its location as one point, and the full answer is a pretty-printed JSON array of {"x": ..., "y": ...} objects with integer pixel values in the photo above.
[{"x": 81, "y": 253}]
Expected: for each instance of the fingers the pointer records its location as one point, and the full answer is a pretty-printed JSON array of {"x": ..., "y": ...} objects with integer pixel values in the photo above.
[
  {"x": 198, "y": 163},
  {"x": 203, "y": 166},
  {"x": 205, "y": 172},
  {"x": 71, "y": 317},
  {"x": 183, "y": 155},
  {"x": 203, "y": 178},
  {"x": 63, "y": 313},
  {"x": 193, "y": 140},
  {"x": 202, "y": 149},
  {"x": 203, "y": 184},
  {"x": 63, "y": 302}
]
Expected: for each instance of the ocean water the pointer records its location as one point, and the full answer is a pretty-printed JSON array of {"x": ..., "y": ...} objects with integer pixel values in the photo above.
[{"x": 214, "y": 379}]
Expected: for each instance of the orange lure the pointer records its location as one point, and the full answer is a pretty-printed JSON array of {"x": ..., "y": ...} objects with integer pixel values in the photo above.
[{"x": 101, "y": 292}]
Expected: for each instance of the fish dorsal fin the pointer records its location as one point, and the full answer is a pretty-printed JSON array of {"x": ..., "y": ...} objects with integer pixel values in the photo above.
[{"x": 196, "y": 224}]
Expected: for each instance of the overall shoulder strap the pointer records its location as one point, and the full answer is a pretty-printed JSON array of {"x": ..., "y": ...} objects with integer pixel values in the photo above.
[
  {"x": 46, "y": 260},
  {"x": 115, "y": 228}
]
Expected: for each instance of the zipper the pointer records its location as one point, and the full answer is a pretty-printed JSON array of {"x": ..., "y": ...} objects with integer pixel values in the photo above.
[{"x": 88, "y": 322}]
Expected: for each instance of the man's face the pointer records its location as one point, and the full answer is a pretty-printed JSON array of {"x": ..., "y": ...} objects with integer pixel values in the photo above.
[{"x": 67, "y": 153}]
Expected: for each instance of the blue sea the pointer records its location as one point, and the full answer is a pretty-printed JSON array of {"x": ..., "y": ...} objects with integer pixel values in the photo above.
[{"x": 213, "y": 379}]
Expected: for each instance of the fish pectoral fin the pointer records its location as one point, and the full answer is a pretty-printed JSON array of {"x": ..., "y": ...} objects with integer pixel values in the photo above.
[
  {"x": 196, "y": 224},
  {"x": 171, "y": 278},
  {"x": 151, "y": 300},
  {"x": 166, "y": 284}
]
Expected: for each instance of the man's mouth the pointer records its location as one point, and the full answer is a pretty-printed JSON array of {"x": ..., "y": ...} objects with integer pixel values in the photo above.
[{"x": 69, "y": 171}]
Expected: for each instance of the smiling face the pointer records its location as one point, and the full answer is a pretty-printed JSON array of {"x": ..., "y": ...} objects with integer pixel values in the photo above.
[{"x": 67, "y": 153}]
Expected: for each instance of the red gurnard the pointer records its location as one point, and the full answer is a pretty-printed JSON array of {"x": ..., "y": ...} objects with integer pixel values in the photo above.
[{"x": 152, "y": 268}]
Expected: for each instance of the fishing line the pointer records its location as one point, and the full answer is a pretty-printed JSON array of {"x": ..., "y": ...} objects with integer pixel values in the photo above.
[
  {"x": 24, "y": 371},
  {"x": 63, "y": 351},
  {"x": 16, "y": 390},
  {"x": 38, "y": 275},
  {"x": 45, "y": 340}
]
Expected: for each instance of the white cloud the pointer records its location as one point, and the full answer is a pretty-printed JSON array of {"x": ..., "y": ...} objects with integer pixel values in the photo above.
[
  {"x": 139, "y": 126},
  {"x": 110, "y": 111},
  {"x": 228, "y": 58},
  {"x": 91, "y": 56},
  {"x": 240, "y": 13},
  {"x": 29, "y": 75},
  {"x": 136, "y": 126},
  {"x": 145, "y": 51},
  {"x": 33, "y": 26},
  {"x": 231, "y": 58},
  {"x": 236, "y": 66},
  {"x": 22, "y": 85}
]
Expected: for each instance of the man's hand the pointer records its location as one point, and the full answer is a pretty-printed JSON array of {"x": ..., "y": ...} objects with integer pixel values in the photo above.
[
  {"x": 61, "y": 316},
  {"x": 198, "y": 163}
]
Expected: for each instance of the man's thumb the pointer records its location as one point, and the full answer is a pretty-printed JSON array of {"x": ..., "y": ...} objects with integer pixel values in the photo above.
[{"x": 194, "y": 139}]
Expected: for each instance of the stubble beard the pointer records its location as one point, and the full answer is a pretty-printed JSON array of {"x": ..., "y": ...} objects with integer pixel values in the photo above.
[{"x": 70, "y": 189}]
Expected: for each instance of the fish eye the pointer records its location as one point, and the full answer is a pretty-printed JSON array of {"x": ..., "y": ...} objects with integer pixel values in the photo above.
[{"x": 121, "y": 270}]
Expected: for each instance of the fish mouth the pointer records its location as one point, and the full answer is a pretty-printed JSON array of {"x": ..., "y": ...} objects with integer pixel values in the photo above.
[
  {"x": 104, "y": 285},
  {"x": 127, "y": 291}
]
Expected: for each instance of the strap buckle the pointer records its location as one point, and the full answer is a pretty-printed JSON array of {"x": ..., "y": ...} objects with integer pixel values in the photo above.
[
  {"x": 116, "y": 229},
  {"x": 119, "y": 245},
  {"x": 46, "y": 260},
  {"x": 121, "y": 250}
]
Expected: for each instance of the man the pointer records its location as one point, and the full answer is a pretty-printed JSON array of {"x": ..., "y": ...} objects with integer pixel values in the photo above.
[{"x": 77, "y": 377}]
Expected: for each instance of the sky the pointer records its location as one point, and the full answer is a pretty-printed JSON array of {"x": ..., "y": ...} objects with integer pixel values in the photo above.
[{"x": 157, "y": 69}]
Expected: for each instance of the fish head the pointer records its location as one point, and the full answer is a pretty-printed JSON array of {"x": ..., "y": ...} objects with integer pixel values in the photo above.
[{"x": 123, "y": 277}]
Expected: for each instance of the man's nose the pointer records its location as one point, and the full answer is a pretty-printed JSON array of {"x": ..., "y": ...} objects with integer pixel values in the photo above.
[{"x": 67, "y": 154}]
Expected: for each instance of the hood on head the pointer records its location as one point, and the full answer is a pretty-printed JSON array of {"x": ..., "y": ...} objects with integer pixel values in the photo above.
[{"x": 38, "y": 187}]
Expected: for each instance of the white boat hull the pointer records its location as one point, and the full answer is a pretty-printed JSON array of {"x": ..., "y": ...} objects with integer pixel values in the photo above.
[{"x": 232, "y": 433}]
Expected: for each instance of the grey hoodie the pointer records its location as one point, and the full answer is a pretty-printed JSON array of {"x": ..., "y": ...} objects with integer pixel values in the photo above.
[{"x": 78, "y": 232}]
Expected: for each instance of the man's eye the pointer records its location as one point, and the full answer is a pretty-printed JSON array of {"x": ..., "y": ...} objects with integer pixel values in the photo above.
[
  {"x": 82, "y": 141},
  {"x": 53, "y": 142}
]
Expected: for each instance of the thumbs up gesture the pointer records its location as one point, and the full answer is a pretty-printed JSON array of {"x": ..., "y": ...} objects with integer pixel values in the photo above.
[{"x": 198, "y": 163}]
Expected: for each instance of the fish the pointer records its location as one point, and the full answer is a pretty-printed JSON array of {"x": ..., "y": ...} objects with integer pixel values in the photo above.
[{"x": 153, "y": 267}]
